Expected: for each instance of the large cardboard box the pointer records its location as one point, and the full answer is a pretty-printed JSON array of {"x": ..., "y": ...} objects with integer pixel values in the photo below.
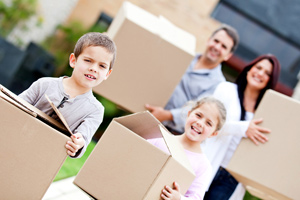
[
  {"x": 31, "y": 149},
  {"x": 152, "y": 56},
  {"x": 124, "y": 165},
  {"x": 270, "y": 171}
]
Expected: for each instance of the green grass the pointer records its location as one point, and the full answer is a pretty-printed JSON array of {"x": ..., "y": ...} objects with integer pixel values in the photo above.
[
  {"x": 72, "y": 166},
  {"x": 248, "y": 196}
]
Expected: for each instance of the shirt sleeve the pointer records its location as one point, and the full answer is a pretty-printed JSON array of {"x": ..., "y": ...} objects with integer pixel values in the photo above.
[
  {"x": 32, "y": 93},
  {"x": 87, "y": 128},
  {"x": 199, "y": 185},
  {"x": 178, "y": 117},
  {"x": 238, "y": 128},
  {"x": 225, "y": 92}
]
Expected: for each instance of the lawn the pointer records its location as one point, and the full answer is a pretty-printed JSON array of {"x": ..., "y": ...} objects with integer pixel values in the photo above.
[{"x": 72, "y": 166}]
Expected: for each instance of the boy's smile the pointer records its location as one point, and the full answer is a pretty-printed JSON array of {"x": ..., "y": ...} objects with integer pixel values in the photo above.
[
  {"x": 90, "y": 76},
  {"x": 91, "y": 67}
]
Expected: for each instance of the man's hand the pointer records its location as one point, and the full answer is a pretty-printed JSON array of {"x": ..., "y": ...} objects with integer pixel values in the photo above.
[
  {"x": 256, "y": 133},
  {"x": 171, "y": 194},
  {"x": 74, "y": 145},
  {"x": 160, "y": 113}
]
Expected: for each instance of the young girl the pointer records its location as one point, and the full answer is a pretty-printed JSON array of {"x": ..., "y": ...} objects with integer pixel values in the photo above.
[{"x": 204, "y": 120}]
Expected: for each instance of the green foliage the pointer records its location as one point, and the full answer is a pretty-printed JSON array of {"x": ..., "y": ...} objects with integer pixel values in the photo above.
[
  {"x": 15, "y": 12},
  {"x": 62, "y": 44}
]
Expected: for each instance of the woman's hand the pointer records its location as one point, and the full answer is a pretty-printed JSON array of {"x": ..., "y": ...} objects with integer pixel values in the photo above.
[
  {"x": 256, "y": 133},
  {"x": 171, "y": 194}
]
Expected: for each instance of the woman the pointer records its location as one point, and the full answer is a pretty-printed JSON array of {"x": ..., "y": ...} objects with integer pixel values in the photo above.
[{"x": 241, "y": 100}]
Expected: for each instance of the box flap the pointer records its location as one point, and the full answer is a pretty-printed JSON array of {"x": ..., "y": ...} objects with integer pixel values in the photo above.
[
  {"x": 142, "y": 123},
  {"x": 175, "y": 147},
  {"x": 176, "y": 36},
  {"x": 147, "y": 126},
  {"x": 30, "y": 109},
  {"x": 156, "y": 25},
  {"x": 141, "y": 17},
  {"x": 61, "y": 117}
]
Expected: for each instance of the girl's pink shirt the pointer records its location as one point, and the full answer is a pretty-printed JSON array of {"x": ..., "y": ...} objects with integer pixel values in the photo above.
[{"x": 201, "y": 167}]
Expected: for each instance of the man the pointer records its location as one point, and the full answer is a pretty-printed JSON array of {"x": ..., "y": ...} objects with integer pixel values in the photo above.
[{"x": 201, "y": 78}]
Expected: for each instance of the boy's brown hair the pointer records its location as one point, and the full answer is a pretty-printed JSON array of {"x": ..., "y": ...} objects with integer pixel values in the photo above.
[{"x": 96, "y": 39}]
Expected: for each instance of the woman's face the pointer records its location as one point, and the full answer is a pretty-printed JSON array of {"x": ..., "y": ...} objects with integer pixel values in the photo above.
[{"x": 259, "y": 75}]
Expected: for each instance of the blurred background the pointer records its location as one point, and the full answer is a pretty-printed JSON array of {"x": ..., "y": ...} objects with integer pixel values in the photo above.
[{"x": 37, "y": 37}]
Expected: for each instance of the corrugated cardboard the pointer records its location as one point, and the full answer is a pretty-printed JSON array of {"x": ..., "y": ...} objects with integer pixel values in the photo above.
[
  {"x": 271, "y": 170},
  {"x": 31, "y": 152},
  {"x": 123, "y": 165},
  {"x": 152, "y": 56}
]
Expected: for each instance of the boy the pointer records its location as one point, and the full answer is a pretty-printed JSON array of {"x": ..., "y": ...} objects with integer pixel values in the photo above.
[{"x": 92, "y": 62}]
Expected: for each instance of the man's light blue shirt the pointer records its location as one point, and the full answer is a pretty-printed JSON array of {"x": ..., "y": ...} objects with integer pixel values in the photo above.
[{"x": 194, "y": 84}]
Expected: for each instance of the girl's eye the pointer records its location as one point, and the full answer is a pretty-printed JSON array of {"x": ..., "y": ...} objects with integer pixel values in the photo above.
[
  {"x": 198, "y": 115},
  {"x": 86, "y": 60},
  {"x": 209, "y": 123},
  {"x": 103, "y": 66}
]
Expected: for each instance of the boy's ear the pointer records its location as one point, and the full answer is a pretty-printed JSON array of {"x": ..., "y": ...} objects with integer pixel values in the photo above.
[
  {"x": 72, "y": 60},
  {"x": 108, "y": 73},
  {"x": 214, "y": 134}
]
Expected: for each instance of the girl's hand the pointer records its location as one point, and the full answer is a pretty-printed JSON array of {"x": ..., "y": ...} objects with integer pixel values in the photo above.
[
  {"x": 255, "y": 132},
  {"x": 171, "y": 194},
  {"x": 74, "y": 145}
]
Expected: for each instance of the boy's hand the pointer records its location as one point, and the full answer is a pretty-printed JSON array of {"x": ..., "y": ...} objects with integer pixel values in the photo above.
[
  {"x": 74, "y": 145},
  {"x": 255, "y": 132},
  {"x": 171, "y": 194},
  {"x": 160, "y": 113}
]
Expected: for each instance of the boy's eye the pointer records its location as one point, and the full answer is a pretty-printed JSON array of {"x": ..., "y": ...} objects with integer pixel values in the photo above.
[
  {"x": 103, "y": 66},
  {"x": 86, "y": 60}
]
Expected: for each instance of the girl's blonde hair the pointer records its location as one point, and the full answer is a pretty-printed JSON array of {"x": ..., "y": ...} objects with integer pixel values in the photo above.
[{"x": 220, "y": 106}]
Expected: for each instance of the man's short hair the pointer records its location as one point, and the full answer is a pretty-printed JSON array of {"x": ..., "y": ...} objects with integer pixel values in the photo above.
[{"x": 231, "y": 32}]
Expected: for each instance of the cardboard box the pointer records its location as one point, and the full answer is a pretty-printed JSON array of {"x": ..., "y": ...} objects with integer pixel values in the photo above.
[
  {"x": 271, "y": 170},
  {"x": 123, "y": 165},
  {"x": 152, "y": 56},
  {"x": 31, "y": 151}
]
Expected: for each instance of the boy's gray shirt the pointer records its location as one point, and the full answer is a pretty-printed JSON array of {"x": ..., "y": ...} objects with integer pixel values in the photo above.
[{"x": 83, "y": 114}]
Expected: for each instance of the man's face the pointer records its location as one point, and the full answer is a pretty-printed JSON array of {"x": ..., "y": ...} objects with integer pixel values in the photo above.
[{"x": 219, "y": 47}]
